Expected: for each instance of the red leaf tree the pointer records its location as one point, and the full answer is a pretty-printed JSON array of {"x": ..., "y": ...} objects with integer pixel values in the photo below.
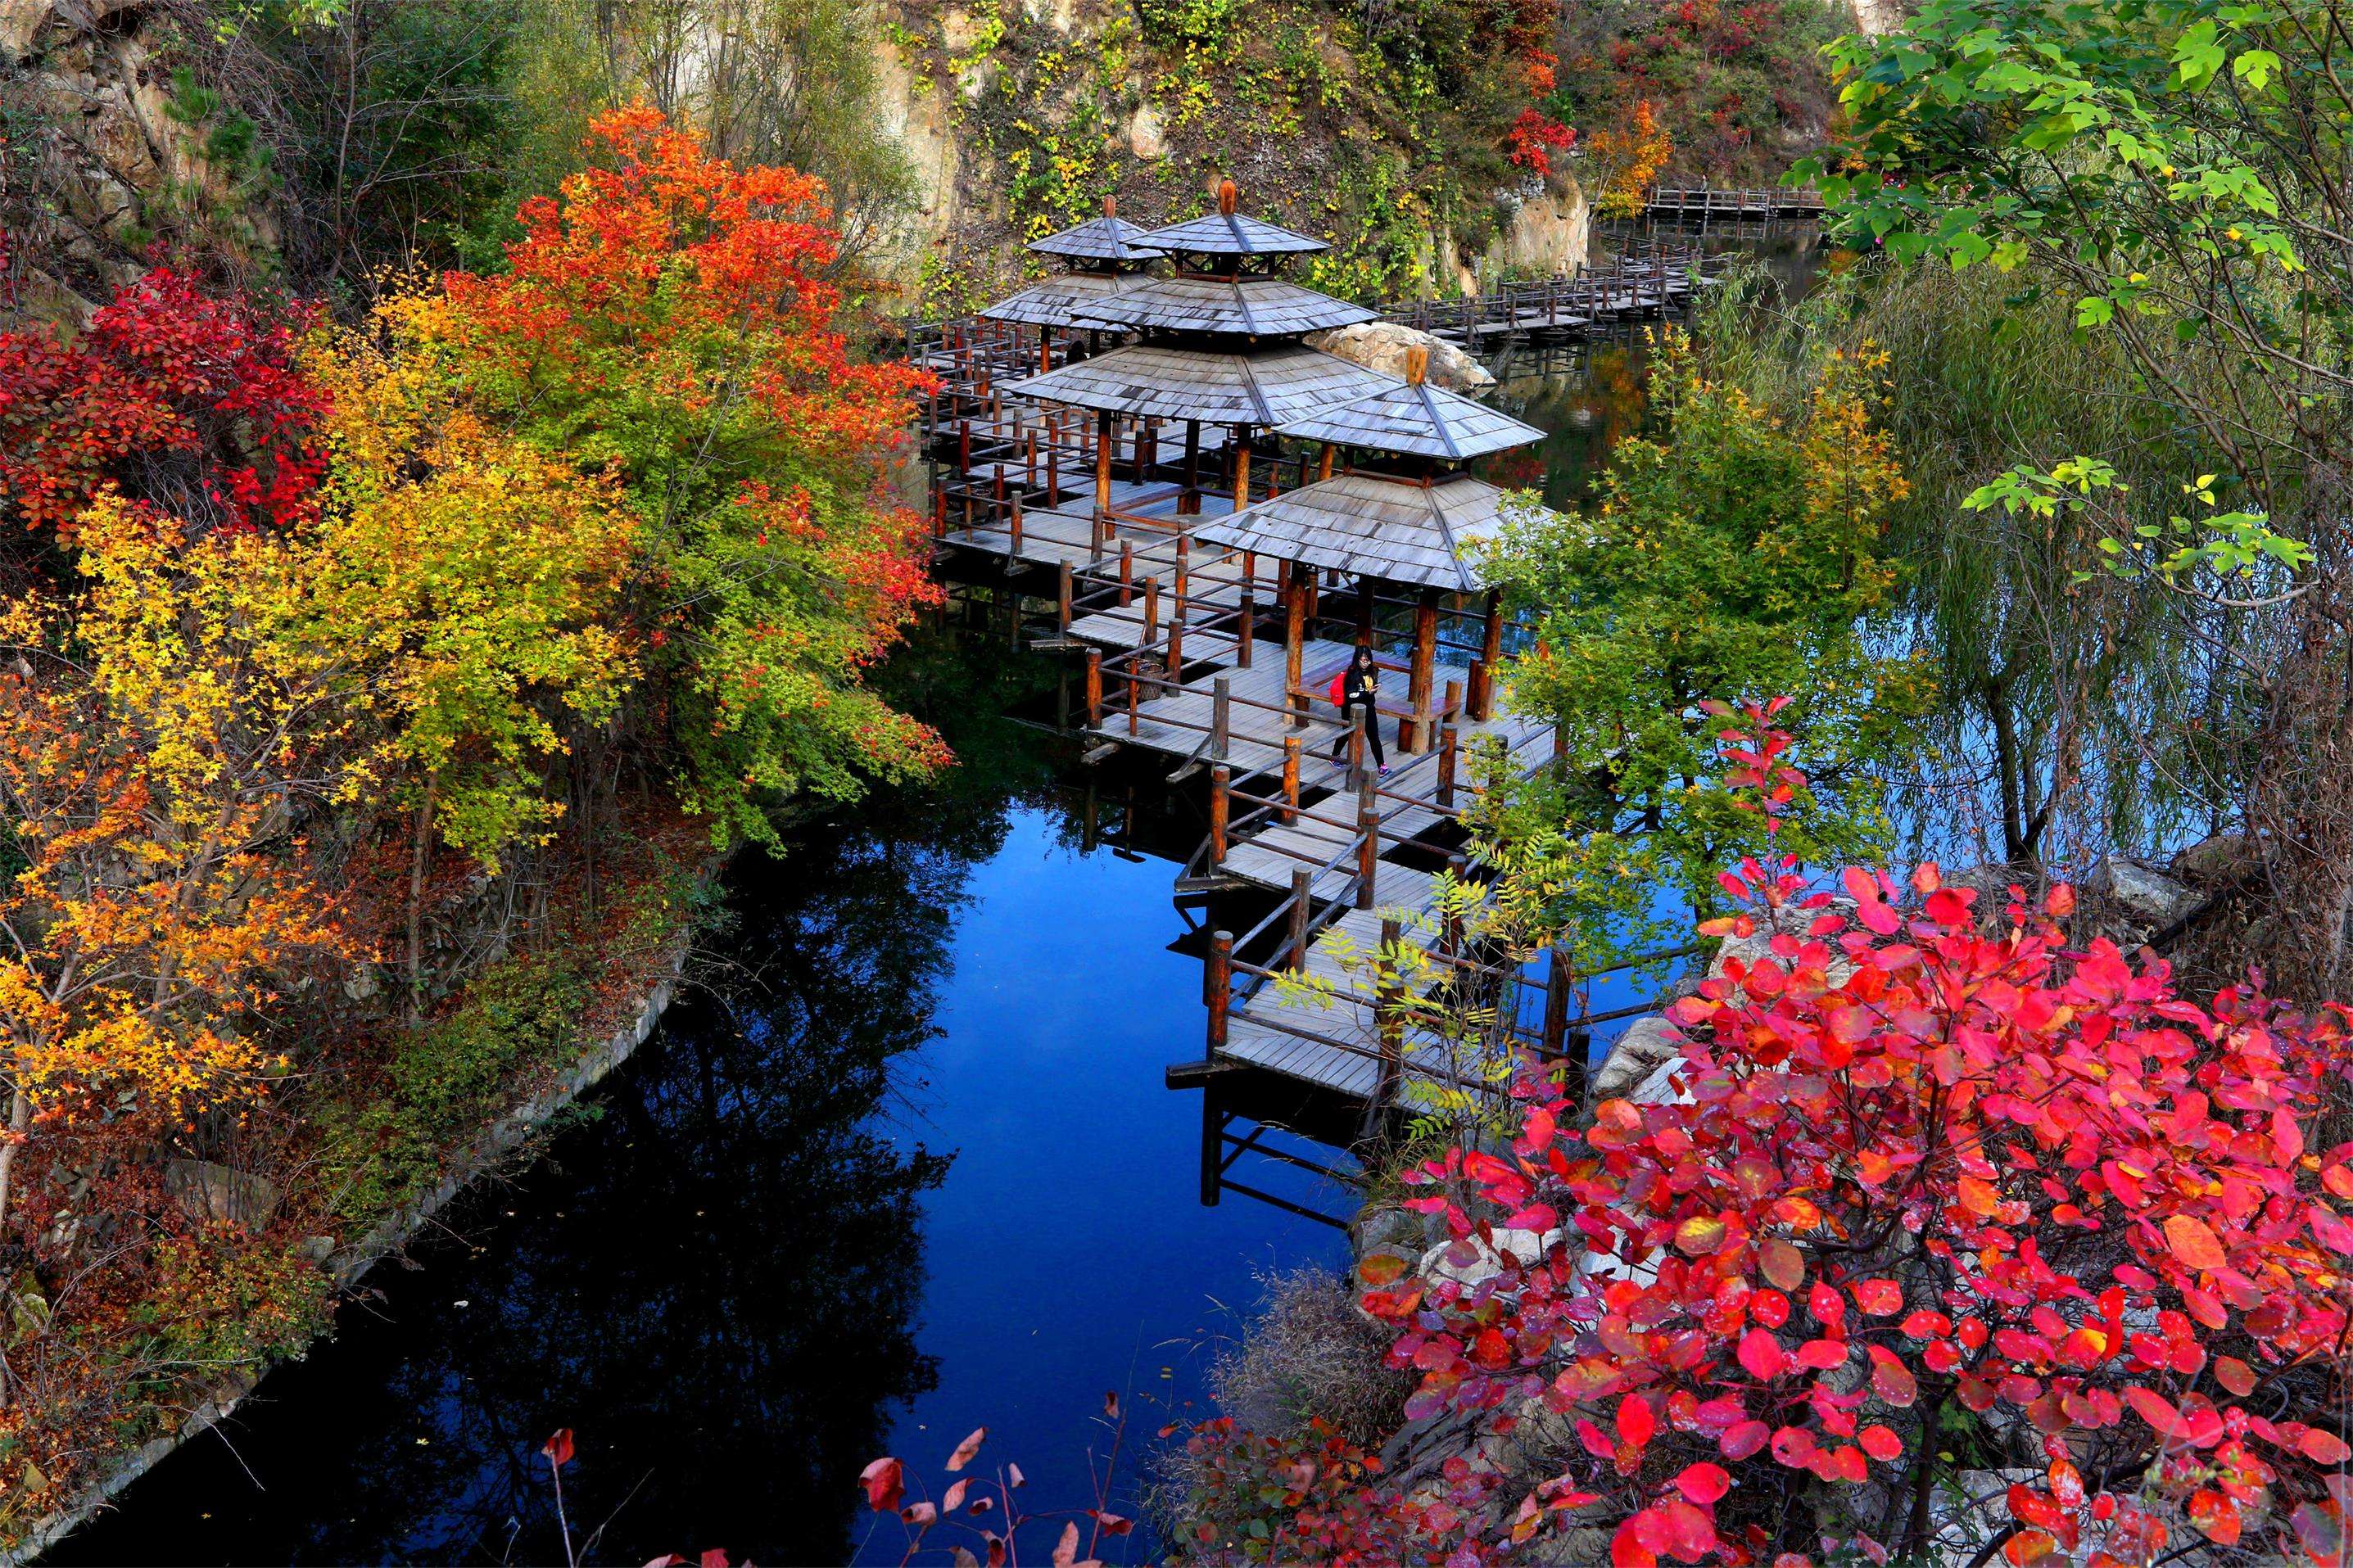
[
  {"x": 188, "y": 401},
  {"x": 1931, "y": 1177}
]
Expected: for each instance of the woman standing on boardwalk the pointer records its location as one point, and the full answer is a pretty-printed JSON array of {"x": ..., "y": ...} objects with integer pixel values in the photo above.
[{"x": 1360, "y": 685}]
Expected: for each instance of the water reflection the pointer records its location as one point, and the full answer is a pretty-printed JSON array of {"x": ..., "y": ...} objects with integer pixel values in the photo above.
[{"x": 714, "y": 1282}]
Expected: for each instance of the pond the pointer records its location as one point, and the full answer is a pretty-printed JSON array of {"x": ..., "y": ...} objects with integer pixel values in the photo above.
[{"x": 904, "y": 1166}]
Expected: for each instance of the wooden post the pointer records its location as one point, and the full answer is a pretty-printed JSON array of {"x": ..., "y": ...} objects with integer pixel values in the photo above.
[
  {"x": 1491, "y": 652},
  {"x": 1425, "y": 655},
  {"x": 1132, "y": 686},
  {"x": 1094, "y": 688},
  {"x": 1451, "y": 710},
  {"x": 964, "y": 450},
  {"x": 1389, "y": 1013},
  {"x": 1242, "y": 466},
  {"x": 1220, "y": 805},
  {"x": 1290, "y": 749},
  {"x": 1062, "y": 599},
  {"x": 1324, "y": 463},
  {"x": 1030, "y": 459},
  {"x": 1151, "y": 612},
  {"x": 1357, "y": 720},
  {"x": 1104, "y": 444},
  {"x": 1222, "y": 701},
  {"x": 1246, "y": 627},
  {"x": 1303, "y": 899},
  {"x": 1127, "y": 572},
  {"x": 1369, "y": 848},
  {"x": 1294, "y": 636},
  {"x": 1216, "y": 984},
  {"x": 1446, "y": 747},
  {"x": 1053, "y": 460},
  {"x": 1013, "y": 550},
  {"x": 939, "y": 511},
  {"x": 1556, "y": 992},
  {"x": 1192, "y": 457}
]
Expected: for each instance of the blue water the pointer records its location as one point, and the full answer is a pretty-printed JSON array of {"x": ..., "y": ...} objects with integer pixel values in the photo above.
[{"x": 908, "y": 1170}]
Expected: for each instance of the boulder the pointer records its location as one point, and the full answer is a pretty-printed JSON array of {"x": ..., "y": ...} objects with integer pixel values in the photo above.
[
  {"x": 22, "y": 22},
  {"x": 1646, "y": 1044},
  {"x": 2133, "y": 900},
  {"x": 1472, "y": 1262},
  {"x": 208, "y": 1191},
  {"x": 1145, "y": 138},
  {"x": 2217, "y": 861},
  {"x": 1383, "y": 345}
]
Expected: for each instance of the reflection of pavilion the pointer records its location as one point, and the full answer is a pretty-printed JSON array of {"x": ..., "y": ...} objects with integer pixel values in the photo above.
[{"x": 1216, "y": 561}]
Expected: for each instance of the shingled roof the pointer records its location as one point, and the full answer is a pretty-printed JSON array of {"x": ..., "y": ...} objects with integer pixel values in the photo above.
[
  {"x": 1106, "y": 238},
  {"x": 1266, "y": 385},
  {"x": 1394, "y": 531},
  {"x": 1225, "y": 307},
  {"x": 1224, "y": 232},
  {"x": 1060, "y": 301},
  {"x": 1417, "y": 419}
]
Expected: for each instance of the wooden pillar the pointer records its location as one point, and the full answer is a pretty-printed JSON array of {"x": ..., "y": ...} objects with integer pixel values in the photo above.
[
  {"x": 1220, "y": 781},
  {"x": 1291, "y": 750},
  {"x": 1242, "y": 466},
  {"x": 1246, "y": 625},
  {"x": 1446, "y": 764},
  {"x": 1062, "y": 599},
  {"x": 1302, "y": 900},
  {"x": 1193, "y": 455},
  {"x": 1177, "y": 616},
  {"x": 1013, "y": 548},
  {"x": 1368, "y": 847},
  {"x": 1221, "y": 707},
  {"x": 1294, "y": 640},
  {"x": 1127, "y": 572},
  {"x": 1053, "y": 459},
  {"x": 1491, "y": 651},
  {"x": 1323, "y": 464},
  {"x": 1388, "y": 1013},
  {"x": 1425, "y": 656},
  {"x": 1094, "y": 688},
  {"x": 1104, "y": 444},
  {"x": 1558, "y": 984},
  {"x": 1217, "y": 986},
  {"x": 1151, "y": 612}
]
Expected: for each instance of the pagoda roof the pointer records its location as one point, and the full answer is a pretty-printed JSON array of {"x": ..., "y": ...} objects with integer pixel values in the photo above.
[
  {"x": 1267, "y": 385},
  {"x": 1064, "y": 299},
  {"x": 1106, "y": 238},
  {"x": 1255, "y": 307},
  {"x": 1230, "y": 234},
  {"x": 1392, "y": 530},
  {"x": 1414, "y": 418}
]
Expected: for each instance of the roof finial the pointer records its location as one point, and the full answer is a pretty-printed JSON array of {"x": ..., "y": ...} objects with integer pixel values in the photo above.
[
  {"x": 1225, "y": 199},
  {"x": 1111, "y": 207},
  {"x": 1417, "y": 364}
]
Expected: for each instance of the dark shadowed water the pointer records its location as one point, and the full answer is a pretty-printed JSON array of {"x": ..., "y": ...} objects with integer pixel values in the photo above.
[{"x": 904, "y": 1166}]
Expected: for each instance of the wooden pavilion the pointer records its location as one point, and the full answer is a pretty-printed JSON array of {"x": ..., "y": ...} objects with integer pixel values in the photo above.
[
  {"x": 1218, "y": 346},
  {"x": 1103, "y": 259},
  {"x": 1410, "y": 518}
]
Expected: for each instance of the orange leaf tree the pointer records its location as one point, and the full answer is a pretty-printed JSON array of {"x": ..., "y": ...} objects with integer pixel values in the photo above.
[
  {"x": 157, "y": 761},
  {"x": 674, "y": 320}
]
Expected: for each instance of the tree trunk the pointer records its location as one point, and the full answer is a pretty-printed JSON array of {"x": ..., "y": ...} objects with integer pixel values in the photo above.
[{"x": 419, "y": 855}]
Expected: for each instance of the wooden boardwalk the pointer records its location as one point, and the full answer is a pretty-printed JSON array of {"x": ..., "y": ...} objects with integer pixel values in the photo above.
[
  {"x": 1704, "y": 202},
  {"x": 1186, "y": 660}
]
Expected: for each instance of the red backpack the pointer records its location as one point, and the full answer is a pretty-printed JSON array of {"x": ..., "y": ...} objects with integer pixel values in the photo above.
[{"x": 1340, "y": 689}]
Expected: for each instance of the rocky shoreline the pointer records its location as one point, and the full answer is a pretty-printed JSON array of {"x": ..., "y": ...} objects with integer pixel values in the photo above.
[{"x": 494, "y": 1149}]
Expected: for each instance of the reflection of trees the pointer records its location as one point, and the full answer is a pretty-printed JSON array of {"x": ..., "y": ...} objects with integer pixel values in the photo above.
[{"x": 713, "y": 1281}]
